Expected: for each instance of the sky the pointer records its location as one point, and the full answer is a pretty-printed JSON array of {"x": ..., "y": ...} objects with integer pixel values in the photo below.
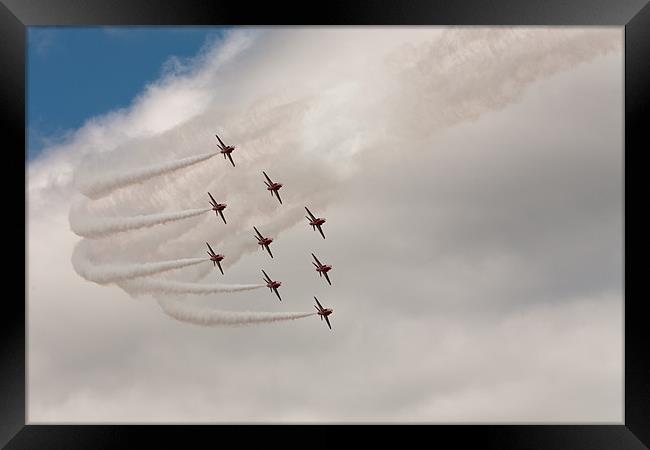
[
  {"x": 472, "y": 183},
  {"x": 75, "y": 73}
]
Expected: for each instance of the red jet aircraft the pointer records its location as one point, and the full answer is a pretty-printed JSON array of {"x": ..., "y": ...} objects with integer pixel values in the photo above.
[
  {"x": 323, "y": 312},
  {"x": 315, "y": 222},
  {"x": 263, "y": 241},
  {"x": 226, "y": 150},
  {"x": 322, "y": 269},
  {"x": 272, "y": 285},
  {"x": 273, "y": 187},
  {"x": 215, "y": 258},
  {"x": 217, "y": 207}
]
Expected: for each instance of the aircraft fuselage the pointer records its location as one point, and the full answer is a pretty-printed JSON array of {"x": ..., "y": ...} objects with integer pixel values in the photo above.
[
  {"x": 265, "y": 241},
  {"x": 325, "y": 312},
  {"x": 324, "y": 268},
  {"x": 217, "y": 258}
]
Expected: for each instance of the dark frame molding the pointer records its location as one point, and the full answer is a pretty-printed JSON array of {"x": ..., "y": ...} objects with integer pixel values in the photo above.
[{"x": 634, "y": 15}]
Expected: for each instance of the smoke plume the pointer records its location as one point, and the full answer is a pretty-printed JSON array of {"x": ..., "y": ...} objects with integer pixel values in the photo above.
[
  {"x": 311, "y": 136},
  {"x": 96, "y": 186},
  {"x": 96, "y": 227},
  {"x": 211, "y": 317},
  {"x": 112, "y": 273},
  {"x": 149, "y": 285}
]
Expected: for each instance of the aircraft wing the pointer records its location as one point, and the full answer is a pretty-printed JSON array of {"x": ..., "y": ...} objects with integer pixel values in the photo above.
[
  {"x": 220, "y": 141},
  {"x": 321, "y": 231},
  {"x": 268, "y": 249},
  {"x": 212, "y": 251},
  {"x": 277, "y": 293},
  {"x": 327, "y": 278},
  {"x": 310, "y": 214},
  {"x": 267, "y": 177},
  {"x": 277, "y": 194},
  {"x": 321, "y": 306},
  {"x": 328, "y": 322},
  {"x": 258, "y": 232},
  {"x": 213, "y": 200},
  {"x": 316, "y": 259},
  {"x": 231, "y": 161},
  {"x": 266, "y": 276},
  {"x": 220, "y": 269},
  {"x": 224, "y": 219}
]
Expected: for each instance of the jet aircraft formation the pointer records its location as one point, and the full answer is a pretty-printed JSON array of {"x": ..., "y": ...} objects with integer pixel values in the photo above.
[{"x": 264, "y": 241}]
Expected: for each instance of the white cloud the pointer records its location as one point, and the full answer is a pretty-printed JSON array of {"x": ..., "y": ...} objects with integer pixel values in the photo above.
[{"x": 472, "y": 183}]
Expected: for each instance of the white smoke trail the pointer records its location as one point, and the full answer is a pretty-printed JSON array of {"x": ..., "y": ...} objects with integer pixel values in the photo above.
[
  {"x": 96, "y": 187},
  {"x": 180, "y": 287},
  {"x": 93, "y": 227},
  {"x": 472, "y": 71},
  {"x": 412, "y": 91},
  {"x": 212, "y": 317},
  {"x": 111, "y": 273}
]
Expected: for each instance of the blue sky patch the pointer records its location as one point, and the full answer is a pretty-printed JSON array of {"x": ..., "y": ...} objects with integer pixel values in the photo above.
[{"x": 75, "y": 73}]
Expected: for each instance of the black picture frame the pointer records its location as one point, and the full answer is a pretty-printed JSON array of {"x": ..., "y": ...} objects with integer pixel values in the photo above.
[{"x": 16, "y": 15}]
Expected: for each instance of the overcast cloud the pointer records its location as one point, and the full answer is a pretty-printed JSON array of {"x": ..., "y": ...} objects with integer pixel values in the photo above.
[{"x": 472, "y": 183}]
